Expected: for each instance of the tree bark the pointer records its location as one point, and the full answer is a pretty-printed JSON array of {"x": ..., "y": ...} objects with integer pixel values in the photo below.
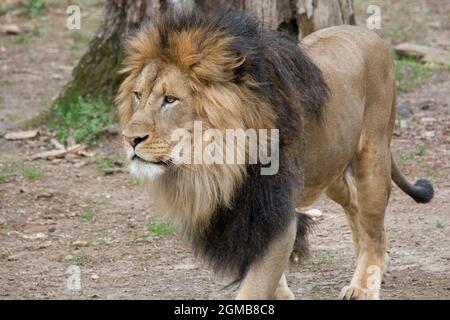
[{"x": 96, "y": 76}]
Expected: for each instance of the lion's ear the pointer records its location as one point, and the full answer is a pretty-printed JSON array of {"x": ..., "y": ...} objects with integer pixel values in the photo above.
[{"x": 206, "y": 57}]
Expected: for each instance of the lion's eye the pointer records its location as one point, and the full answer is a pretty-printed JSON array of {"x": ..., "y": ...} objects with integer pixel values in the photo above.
[
  {"x": 137, "y": 95},
  {"x": 170, "y": 99}
]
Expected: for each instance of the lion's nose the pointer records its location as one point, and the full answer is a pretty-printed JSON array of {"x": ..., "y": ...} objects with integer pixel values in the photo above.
[{"x": 134, "y": 141}]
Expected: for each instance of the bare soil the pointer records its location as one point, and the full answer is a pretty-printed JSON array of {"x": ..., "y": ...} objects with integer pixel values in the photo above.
[{"x": 43, "y": 214}]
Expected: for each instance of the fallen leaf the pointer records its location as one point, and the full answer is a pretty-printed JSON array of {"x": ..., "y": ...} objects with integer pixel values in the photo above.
[
  {"x": 45, "y": 195},
  {"x": 69, "y": 257},
  {"x": 16, "y": 257},
  {"x": 95, "y": 276},
  {"x": 49, "y": 154},
  {"x": 11, "y": 29},
  {"x": 20, "y": 135},
  {"x": 80, "y": 244},
  {"x": 35, "y": 236},
  {"x": 56, "y": 153},
  {"x": 43, "y": 245},
  {"x": 84, "y": 153}
]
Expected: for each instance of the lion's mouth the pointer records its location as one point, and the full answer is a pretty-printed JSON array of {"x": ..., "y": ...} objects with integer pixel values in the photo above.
[{"x": 164, "y": 163}]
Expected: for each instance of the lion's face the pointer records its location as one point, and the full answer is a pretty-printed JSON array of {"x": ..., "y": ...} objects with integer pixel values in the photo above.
[
  {"x": 175, "y": 80},
  {"x": 162, "y": 103}
]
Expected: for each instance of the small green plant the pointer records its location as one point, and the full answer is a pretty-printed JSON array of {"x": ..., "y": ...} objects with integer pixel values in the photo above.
[
  {"x": 440, "y": 225},
  {"x": 35, "y": 8},
  {"x": 88, "y": 214},
  {"x": 3, "y": 9},
  {"x": 31, "y": 172},
  {"x": 316, "y": 286},
  {"x": 7, "y": 170},
  {"x": 36, "y": 32},
  {"x": 82, "y": 260},
  {"x": 421, "y": 151},
  {"x": 405, "y": 157},
  {"x": 323, "y": 260},
  {"x": 104, "y": 163},
  {"x": 2, "y": 102},
  {"x": 431, "y": 174},
  {"x": 86, "y": 119},
  {"x": 104, "y": 241},
  {"x": 135, "y": 182},
  {"x": 20, "y": 39},
  {"x": 159, "y": 228},
  {"x": 80, "y": 37}
]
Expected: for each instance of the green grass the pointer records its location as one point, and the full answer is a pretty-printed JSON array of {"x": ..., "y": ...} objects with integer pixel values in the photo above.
[
  {"x": 31, "y": 172},
  {"x": 82, "y": 260},
  {"x": 323, "y": 260},
  {"x": 7, "y": 170},
  {"x": 20, "y": 39},
  {"x": 80, "y": 37},
  {"x": 2, "y": 102},
  {"x": 421, "y": 151},
  {"x": 410, "y": 73},
  {"x": 398, "y": 33},
  {"x": 36, "y": 32},
  {"x": 431, "y": 174},
  {"x": 88, "y": 214},
  {"x": 35, "y": 8},
  {"x": 159, "y": 228},
  {"x": 104, "y": 241},
  {"x": 104, "y": 163},
  {"x": 405, "y": 157},
  {"x": 86, "y": 119},
  {"x": 3, "y": 8},
  {"x": 135, "y": 182}
]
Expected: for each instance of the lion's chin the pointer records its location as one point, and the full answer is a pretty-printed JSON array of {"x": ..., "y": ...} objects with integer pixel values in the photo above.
[{"x": 146, "y": 171}]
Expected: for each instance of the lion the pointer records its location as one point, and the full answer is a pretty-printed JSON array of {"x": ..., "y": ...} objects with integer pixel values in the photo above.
[{"x": 332, "y": 97}]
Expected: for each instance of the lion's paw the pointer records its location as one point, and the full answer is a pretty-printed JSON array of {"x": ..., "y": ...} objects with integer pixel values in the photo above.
[
  {"x": 284, "y": 294},
  {"x": 358, "y": 293}
]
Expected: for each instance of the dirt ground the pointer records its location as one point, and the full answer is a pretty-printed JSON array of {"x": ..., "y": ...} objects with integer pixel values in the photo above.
[{"x": 55, "y": 214}]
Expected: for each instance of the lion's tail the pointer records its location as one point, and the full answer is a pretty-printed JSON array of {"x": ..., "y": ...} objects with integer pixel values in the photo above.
[{"x": 422, "y": 191}]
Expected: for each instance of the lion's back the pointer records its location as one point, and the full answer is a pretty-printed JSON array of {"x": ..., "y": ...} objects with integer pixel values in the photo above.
[{"x": 349, "y": 50}]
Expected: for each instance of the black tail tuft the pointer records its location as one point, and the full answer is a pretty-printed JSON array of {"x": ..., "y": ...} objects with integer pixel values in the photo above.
[
  {"x": 301, "y": 246},
  {"x": 423, "y": 191}
]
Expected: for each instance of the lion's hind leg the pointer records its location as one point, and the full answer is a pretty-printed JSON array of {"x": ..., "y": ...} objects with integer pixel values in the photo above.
[{"x": 364, "y": 192}]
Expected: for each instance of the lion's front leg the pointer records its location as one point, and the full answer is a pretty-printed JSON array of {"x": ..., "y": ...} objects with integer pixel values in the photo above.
[{"x": 265, "y": 279}]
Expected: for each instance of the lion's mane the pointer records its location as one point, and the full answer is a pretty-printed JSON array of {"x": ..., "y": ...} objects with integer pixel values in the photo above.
[{"x": 258, "y": 79}]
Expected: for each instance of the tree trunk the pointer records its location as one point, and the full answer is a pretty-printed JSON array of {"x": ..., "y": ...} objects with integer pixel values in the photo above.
[{"x": 96, "y": 75}]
